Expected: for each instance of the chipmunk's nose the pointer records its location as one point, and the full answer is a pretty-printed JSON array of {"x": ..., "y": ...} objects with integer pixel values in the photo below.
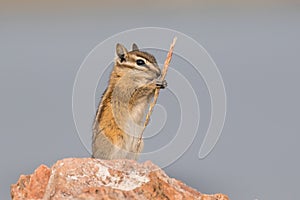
[{"x": 158, "y": 72}]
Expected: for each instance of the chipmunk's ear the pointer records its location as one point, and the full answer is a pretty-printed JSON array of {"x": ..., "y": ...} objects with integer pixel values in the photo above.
[
  {"x": 121, "y": 51},
  {"x": 134, "y": 47}
]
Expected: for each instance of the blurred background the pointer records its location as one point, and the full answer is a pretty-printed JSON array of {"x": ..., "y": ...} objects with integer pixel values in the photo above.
[{"x": 254, "y": 44}]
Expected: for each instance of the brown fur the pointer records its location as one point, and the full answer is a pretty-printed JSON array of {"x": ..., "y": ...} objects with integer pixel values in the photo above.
[{"x": 123, "y": 106}]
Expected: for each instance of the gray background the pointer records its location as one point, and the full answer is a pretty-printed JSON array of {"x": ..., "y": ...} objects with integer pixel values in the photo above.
[{"x": 256, "y": 47}]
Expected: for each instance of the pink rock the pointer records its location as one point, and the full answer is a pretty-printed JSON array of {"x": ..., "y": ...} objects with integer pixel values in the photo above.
[
  {"x": 87, "y": 178},
  {"x": 31, "y": 186}
]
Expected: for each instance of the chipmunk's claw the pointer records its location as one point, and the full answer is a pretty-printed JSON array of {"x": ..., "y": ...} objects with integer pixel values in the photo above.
[{"x": 161, "y": 84}]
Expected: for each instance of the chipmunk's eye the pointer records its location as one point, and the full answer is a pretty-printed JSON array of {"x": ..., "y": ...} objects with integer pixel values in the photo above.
[{"x": 140, "y": 62}]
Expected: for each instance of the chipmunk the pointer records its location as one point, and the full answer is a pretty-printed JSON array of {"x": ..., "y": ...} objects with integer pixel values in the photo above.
[{"x": 121, "y": 114}]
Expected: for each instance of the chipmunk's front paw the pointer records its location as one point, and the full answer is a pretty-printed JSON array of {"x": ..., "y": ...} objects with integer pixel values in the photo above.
[{"x": 161, "y": 84}]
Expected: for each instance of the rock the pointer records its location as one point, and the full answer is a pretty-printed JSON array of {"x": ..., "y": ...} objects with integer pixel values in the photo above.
[
  {"x": 87, "y": 178},
  {"x": 31, "y": 186}
]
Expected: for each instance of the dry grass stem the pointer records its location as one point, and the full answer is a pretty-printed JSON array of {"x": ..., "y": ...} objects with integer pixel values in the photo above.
[{"x": 163, "y": 75}]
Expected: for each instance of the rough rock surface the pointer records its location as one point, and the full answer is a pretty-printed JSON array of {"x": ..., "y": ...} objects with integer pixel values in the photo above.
[{"x": 87, "y": 178}]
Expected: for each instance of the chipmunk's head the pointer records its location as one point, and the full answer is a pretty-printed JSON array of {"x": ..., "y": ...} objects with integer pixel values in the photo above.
[{"x": 138, "y": 61}]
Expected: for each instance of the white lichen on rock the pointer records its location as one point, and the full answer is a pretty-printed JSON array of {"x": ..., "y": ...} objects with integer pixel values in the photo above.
[{"x": 127, "y": 182}]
